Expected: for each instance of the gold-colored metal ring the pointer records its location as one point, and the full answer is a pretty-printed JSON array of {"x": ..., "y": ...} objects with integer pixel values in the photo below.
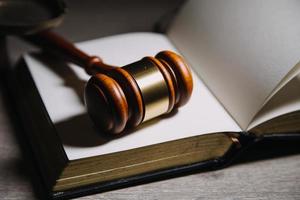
[{"x": 152, "y": 85}]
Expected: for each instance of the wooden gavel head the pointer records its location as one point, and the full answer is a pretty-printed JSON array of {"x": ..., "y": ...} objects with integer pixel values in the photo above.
[
  {"x": 120, "y": 97},
  {"x": 127, "y": 96}
]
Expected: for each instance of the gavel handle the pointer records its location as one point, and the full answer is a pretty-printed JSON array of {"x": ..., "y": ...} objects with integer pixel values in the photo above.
[{"x": 59, "y": 46}]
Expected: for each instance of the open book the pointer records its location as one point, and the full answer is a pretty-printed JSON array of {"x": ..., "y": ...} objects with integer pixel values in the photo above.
[{"x": 245, "y": 66}]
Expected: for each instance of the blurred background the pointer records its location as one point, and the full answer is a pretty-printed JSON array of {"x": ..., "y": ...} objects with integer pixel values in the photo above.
[{"x": 94, "y": 19}]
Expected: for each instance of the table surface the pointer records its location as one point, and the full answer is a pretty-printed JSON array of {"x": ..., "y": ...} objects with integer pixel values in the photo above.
[{"x": 276, "y": 176}]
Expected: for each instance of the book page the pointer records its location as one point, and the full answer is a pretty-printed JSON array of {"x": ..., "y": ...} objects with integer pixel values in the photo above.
[
  {"x": 61, "y": 88},
  {"x": 241, "y": 49},
  {"x": 285, "y": 101}
]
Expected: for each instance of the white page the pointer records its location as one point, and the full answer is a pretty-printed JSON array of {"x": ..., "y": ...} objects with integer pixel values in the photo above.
[
  {"x": 285, "y": 101},
  {"x": 241, "y": 49},
  {"x": 203, "y": 114}
]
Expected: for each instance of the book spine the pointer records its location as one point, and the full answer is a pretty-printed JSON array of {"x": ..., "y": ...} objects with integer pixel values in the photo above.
[{"x": 241, "y": 142}]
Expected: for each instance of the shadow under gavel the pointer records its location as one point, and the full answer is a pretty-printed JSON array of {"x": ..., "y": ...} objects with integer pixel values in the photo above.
[{"x": 121, "y": 97}]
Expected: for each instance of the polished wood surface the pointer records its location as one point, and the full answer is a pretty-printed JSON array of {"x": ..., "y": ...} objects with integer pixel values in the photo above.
[
  {"x": 133, "y": 94},
  {"x": 54, "y": 43},
  {"x": 182, "y": 74},
  {"x": 106, "y": 103},
  {"x": 117, "y": 87}
]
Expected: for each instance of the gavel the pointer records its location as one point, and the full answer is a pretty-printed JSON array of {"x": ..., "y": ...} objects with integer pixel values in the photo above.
[{"x": 124, "y": 97}]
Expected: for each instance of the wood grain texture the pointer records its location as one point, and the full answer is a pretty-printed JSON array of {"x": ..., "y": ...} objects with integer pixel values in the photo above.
[
  {"x": 176, "y": 75},
  {"x": 277, "y": 178},
  {"x": 106, "y": 103},
  {"x": 177, "y": 66}
]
